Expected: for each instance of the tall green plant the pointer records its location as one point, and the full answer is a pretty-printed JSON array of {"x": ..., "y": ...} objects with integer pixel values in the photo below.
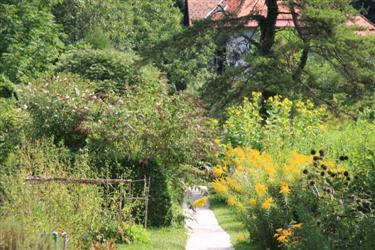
[{"x": 46, "y": 207}]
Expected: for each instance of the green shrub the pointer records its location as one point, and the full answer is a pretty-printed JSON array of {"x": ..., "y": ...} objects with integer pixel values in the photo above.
[
  {"x": 30, "y": 40},
  {"x": 11, "y": 122},
  {"x": 7, "y": 88},
  {"x": 153, "y": 133},
  {"x": 142, "y": 131},
  {"x": 108, "y": 68},
  {"x": 97, "y": 39},
  {"x": 58, "y": 107}
]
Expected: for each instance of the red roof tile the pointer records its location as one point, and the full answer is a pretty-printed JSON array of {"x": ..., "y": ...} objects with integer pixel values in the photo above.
[{"x": 200, "y": 9}]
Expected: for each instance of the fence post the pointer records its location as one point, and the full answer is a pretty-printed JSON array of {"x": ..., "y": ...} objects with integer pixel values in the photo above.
[
  {"x": 65, "y": 240},
  {"x": 55, "y": 236},
  {"x": 146, "y": 193}
]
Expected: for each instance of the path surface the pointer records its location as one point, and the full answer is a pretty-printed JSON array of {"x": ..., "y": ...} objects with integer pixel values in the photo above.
[{"x": 205, "y": 232}]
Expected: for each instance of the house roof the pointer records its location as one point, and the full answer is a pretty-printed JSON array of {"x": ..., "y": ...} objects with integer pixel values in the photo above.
[{"x": 201, "y": 9}]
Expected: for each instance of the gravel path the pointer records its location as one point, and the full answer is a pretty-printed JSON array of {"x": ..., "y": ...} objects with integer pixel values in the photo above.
[{"x": 205, "y": 232}]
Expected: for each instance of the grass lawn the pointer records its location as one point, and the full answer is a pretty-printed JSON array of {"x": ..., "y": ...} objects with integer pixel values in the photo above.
[
  {"x": 230, "y": 223},
  {"x": 173, "y": 238}
]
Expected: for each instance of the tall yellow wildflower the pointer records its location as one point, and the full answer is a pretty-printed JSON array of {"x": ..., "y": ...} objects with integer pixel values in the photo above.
[
  {"x": 271, "y": 170},
  {"x": 231, "y": 201},
  {"x": 260, "y": 189},
  {"x": 290, "y": 169},
  {"x": 284, "y": 189},
  {"x": 252, "y": 202},
  {"x": 219, "y": 187},
  {"x": 233, "y": 184},
  {"x": 238, "y": 165},
  {"x": 298, "y": 160},
  {"x": 241, "y": 237},
  {"x": 253, "y": 157},
  {"x": 240, "y": 207},
  {"x": 267, "y": 203},
  {"x": 200, "y": 202},
  {"x": 217, "y": 171},
  {"x": 239, "y": 153}
]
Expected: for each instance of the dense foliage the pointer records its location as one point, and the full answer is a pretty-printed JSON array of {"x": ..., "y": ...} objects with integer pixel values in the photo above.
[
  {"x": 122, "y": 89},
  {"x": 30, "y": 39},
  {"x": 123, "y": 24},
  {"x": 140, "y": 130}
]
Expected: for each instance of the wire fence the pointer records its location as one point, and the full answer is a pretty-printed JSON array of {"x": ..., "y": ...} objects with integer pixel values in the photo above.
[{"x": 130, "y": 194}]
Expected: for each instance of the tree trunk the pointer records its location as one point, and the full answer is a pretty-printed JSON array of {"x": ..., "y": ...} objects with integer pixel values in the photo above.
[{"x": 268, "y": 28}]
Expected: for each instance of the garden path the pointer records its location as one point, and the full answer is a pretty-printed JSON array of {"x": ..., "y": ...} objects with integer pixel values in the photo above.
[{"x": 205, "y": 232}]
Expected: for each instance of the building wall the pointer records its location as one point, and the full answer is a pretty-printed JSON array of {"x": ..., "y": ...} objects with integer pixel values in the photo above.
[{"x": 238, "y": 46}]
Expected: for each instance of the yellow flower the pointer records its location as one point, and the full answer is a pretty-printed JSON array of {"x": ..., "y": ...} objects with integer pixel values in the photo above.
[
  {"x": 282, "y": 235},
  {"x": 260, "y": 189},
  {"x": 252, "y": 202},
  {"x": 267, "y": 203},
  {"x": 231, "y": 201},
  {"x": 271, "y": 170},
  {"x": 328, "y": 163},
  {"x": 266, "y": 161},
  {"x": 287, "y": 232},
  {"x": 253, "y": 157},
  {"x": 239, "y": 153},
  {"x": 241, "y": 237},
  {"x": 284, "y": 189},
  {"x": 217, "y": 171},
  {"x": 219, "y": 187},
  {"x": 233, "y": 184},
  {"x": 282, "y": 239},
  {"x": 200, "y": 202},
  {"x": 340, "y": 169},
  {"x": 238, "y": 165},
  {"x": 299, "y": 225},
  {"x": 288, "y": 169},
  {"x": 298, "y": 160},
  {"x": 240, "y": 207}
]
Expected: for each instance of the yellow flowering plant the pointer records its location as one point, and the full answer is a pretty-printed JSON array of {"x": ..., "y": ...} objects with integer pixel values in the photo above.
[
  {"x": 201, "y": 202},
  {"x": 271, "y": 178},
  {"x": 274, "y": 190},
  {"x": 287, "y": 236},
  {"x": 274, "y": 123}
]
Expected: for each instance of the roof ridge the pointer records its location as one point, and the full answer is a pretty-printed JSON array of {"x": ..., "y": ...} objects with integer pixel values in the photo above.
[
  {"x": 368, "y": 20},
  {"x": 213, "y": 11}
]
